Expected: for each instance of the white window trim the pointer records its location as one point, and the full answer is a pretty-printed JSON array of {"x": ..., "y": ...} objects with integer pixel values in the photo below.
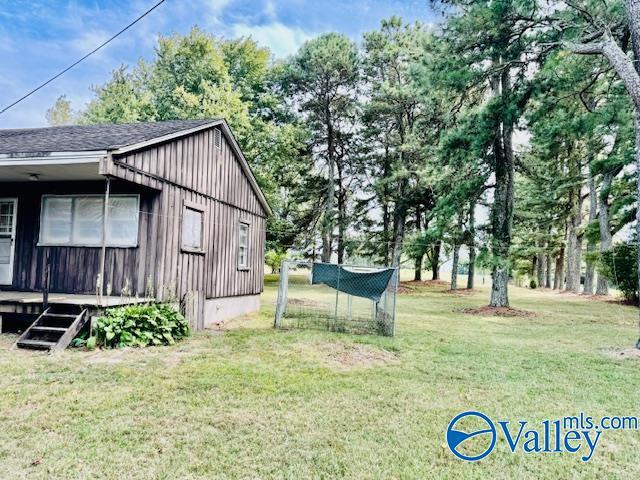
[
  {"x": 248, "y": 225},
  {"x": 78, "y": 245},
  {"x": 198, "y": 208}
]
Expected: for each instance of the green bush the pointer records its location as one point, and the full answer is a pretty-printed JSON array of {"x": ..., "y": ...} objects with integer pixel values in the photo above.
[
  {"x": 140, "y": 325},
  {"x": 533, "y": 284},
  {"x": 620, "y": 267},
  {"x": 274, "y": 258}
]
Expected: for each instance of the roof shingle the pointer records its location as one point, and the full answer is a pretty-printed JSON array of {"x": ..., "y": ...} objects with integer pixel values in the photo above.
[{"x": 83, "y": 138}]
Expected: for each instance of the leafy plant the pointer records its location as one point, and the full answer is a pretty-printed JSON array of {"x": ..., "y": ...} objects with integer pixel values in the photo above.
[
  {"x": 619, "y": 265},
  {"x": 274, "y": 258},
  {"x": 140, "y": 325}
]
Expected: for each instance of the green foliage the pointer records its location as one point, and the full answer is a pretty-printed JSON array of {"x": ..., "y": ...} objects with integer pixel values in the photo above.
[
  {"x": 620, "y": 266},
  {"x": 274, "y": 258},
  {"x": 198, "y": 75},
  {"x": 91, "y": 343},
  {"x": 61, "y": 113},
  {"x": 139, "y": 326},
  {"x": 533, "y": 284}
]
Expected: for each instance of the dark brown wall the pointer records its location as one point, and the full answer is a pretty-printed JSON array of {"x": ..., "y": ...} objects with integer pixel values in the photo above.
[
  {"x": 193, "y": 170},
  {"x": 73, "y": 269},
  {"x": 190, "y": 169}
]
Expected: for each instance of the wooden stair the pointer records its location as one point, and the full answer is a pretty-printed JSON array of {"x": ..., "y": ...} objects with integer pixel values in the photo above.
[{"x": 53, "y": 330}]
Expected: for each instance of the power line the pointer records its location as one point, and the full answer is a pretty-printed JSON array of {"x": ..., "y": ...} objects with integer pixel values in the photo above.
[{"x": 27, "y": 95}]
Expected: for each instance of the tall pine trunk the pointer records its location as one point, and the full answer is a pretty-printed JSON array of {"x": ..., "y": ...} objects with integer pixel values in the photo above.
[
  {"x": 602, "y": 287},
  {"x": 558, "y": 279},
  {"x": 386, "y": 216},
  {"x": 417, "y": 274},
  {"x": 435, "y": 260},
  {"x": 591, "y": 246},
  {"x": 502, "y": 211},
  {"x": 327, "y": 223},
  {"x": 541, "y": 266},
  {"x": 472, "y": 247},
  {"x": 454, "y": 265},
  {"x": 399, "y": 217},
  {"x": 342, "y": 216},
  {"x": 547, "y": 281},
  {"x": 574, "y": 242}
]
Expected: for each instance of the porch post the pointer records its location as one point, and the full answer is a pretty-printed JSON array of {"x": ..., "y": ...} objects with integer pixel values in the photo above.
[{"x": 103, "y": 253}]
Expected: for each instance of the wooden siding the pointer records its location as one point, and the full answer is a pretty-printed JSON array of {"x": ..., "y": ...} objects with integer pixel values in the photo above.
[
  {"x": 75, "y": 269},
  {"x": 193, "y": 170},
  {"x": 189, "y": 169}
]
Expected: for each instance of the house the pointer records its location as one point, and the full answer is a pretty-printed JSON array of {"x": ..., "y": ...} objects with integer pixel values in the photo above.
[{"x": 100, "y": 215}]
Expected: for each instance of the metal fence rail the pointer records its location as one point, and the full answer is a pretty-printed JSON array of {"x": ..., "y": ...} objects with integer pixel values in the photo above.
[{"x": 303, "y": 304}]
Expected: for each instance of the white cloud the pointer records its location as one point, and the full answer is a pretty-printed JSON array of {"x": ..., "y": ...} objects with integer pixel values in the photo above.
[
  {"x": 281, "y": 39},
  {"x": 213, "y": 10}
]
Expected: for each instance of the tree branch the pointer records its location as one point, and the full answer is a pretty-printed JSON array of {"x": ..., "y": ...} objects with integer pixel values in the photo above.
[{"x": 617, "y": 58}]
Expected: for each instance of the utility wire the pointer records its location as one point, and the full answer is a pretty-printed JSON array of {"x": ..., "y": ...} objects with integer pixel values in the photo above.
[{"x": 27, "y": 95}]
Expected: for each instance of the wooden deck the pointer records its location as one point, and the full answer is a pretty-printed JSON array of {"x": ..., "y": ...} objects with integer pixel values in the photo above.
[{"x": 10, "y": 301}]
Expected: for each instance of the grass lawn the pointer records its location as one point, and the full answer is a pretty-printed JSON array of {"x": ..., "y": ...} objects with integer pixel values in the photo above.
[{"x": 251, "y": 402}]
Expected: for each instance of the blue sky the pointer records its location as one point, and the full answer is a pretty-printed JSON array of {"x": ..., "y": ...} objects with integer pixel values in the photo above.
[{"x": 38, "y": 38}]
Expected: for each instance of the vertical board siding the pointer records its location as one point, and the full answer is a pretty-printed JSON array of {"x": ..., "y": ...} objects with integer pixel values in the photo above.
[
  {"x": 192, "y": 169},
  {"x": 75, "y": 269},
  {"x": 189, "y": 169}
]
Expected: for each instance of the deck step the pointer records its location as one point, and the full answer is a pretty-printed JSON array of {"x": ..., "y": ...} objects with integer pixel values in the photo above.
[
  {"x": 49, "y": 329},
  {"x": 36, "y": 344},
  {"x": 52, "y": 331}
]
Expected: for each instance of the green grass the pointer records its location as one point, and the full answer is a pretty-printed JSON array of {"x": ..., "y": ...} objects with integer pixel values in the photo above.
[{"x": 252, "y": 402}]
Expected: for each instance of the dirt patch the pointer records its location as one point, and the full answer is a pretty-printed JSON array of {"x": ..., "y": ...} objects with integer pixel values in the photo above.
[
  {"x": 406, "y": 290},
  {"x": 630, "y": 352},
  {"x": 462, "y": 292},
  {"x": 595, "y": 298},
  {"x": 412, "y": 287},
  {"x": 425, "y": 283},
  {"x": 347, "y": 356},
  {"x": 498, "y": 312},
  {"x": 359, "y": 355}
]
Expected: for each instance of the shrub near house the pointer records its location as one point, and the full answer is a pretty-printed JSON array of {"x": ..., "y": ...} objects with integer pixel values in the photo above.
[{"x": 139, "y": 326}]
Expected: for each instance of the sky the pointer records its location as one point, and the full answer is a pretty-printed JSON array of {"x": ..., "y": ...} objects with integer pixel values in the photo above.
[{"x": 38, "y": 38}]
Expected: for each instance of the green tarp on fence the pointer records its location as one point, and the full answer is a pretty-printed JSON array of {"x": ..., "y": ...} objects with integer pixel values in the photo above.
[{"x": 360, "y": 284}]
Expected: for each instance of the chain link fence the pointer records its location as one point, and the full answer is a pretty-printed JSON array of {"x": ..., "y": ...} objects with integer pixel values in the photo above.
[{"x": 338, "y": 298}]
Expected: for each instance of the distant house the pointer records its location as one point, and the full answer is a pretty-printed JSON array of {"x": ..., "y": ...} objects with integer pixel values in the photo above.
[{"x": 102, "y": 215}]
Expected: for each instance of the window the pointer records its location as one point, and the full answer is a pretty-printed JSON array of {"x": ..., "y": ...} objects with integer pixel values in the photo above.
[
  {"x": 78, "y": 220},
  {"x": 6, "y": 217},
  {"x": 192, "y": 229},
  {"x": 243, "y": 246}
]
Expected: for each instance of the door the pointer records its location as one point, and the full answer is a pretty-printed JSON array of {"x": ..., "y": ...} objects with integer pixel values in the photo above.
[{"x": 8, "y": 215}]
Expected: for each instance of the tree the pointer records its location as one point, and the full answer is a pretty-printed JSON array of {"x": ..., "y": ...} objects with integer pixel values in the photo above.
[
  {"x": 490, "y": 48},
  {"x": 596, "y": 36},
  {"x": 60, "y": 113},
  {"x": 322, "y": 80},
  {"x": 391, "y": 114},
  {"x": 200, "y": 76}
]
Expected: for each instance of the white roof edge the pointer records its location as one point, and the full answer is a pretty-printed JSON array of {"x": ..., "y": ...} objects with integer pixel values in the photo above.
[
  {"x": 54, "y": 155},
  {"x": 236, "y": 148},
  {"x": 53, "y": 158}
]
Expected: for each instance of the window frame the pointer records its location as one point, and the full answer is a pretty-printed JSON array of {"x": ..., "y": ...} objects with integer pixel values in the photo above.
[
  {"x": 196, "y": 207},
  {"x": 247, "y": 224},
  {"x": 73, "y": 196}
]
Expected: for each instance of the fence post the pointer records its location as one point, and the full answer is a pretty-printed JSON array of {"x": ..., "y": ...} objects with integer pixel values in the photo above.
[
  {"x": 335, "y": 315},
  {"x": 282, "y": 298}
]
